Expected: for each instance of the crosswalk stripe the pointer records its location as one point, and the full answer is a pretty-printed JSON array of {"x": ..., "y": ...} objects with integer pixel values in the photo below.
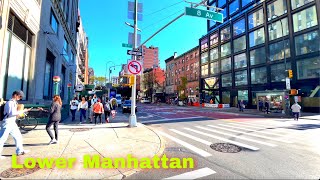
[
  {"x": 263, "y": 132},
  {"x": 194, "y": 174},
  {"x": 250, "y": 134},
  {"x": 192, "y": 137},
  {"x": 224, "y": 139},
  {"x": 239, "y": 137},
  {"x": 187, "y": 145},
  {"x": 268, "y": 125}
]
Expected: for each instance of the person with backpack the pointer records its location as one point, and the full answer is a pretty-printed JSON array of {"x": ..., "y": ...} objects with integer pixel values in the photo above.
[
  {"x": 9, "y": 113},
  {"x": 98, "y": 110},
  {"x": 73, "y": 107},
  {"x": 107, "y": 109}
]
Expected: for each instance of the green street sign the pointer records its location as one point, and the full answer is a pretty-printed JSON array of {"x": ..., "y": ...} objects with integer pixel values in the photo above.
[
  {"x": 127, "y": 45},
  {"x": 204, "y": 14}
]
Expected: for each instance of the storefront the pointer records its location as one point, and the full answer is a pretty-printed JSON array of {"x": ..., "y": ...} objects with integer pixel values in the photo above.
[{"x": 276, "y": 99}]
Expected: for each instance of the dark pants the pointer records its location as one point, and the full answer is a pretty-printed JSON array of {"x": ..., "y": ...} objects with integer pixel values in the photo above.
[
  {"x": 267, "y": 110},
  {"x": 106, "y": 115},
  {"x": 73, "y": 112},
  {"x": 260, "y": 108},
  {"x": 82, "y": 113},
  {"x": 295, "y": 115},
  {"x": 95, "y": 117},
  {"x": 55, "y": 127}
]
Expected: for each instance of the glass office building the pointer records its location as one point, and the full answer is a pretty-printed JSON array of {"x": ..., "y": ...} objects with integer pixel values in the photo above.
[{"x": 246, "y": 54}]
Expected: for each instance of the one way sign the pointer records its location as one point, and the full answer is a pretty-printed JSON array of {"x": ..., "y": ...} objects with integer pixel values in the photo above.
[{"x": 135, "y": 53}]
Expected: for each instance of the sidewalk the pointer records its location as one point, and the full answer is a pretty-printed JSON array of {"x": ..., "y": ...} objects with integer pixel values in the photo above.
[{"x": 112, "y": 140}]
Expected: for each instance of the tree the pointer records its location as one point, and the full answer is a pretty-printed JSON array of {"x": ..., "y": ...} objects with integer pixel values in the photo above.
[
  {"x": 149, "y": 82},
  {"x": 98, "y": 81},
  {"x": 182, "y": 88}
]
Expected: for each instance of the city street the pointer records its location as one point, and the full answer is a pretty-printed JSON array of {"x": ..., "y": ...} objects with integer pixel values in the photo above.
[{"x": 270, "y": 148}]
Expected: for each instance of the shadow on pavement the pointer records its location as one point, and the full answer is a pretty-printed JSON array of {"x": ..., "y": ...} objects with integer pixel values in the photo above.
[
  {"x": 304, "y": 126},
  {"x": 40, "y": 144}
]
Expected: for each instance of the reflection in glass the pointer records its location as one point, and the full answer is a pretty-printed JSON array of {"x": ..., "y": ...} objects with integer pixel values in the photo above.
[
  {"x": 241, "y": 78},
  {"x": 277, "y": 51},
  {"x": 256, "y": 19},
  {"x": 204, "y": 57},
  {"x": 275, "y": 29},
  {"x": 257, "y": 56},
  {"x": 256, "y": 37},
  {"x": 226, "y": 64},
  {"x": 233, "y": 7},
  {"x": 239, "y": 44},
  {"x": 298, "y": 3},
  {"x": 226, "y": 80},
  {"x": 308, "y": 68},
  {"x": 278, "y": 72},
  {"x": 245, "y": 2},
  {"x": 215, "y": 67},
  {"x": 277, "y": 8},
  {"x": 214, "y": 39},
  {"x": 305, "y": 19},
  {"x": 239, "y": 27},
  {"x": 240, "y": 61},
  {"x": 225, "y": 34},
  {"x": 225, "y": 49},
  {"x": 221, "y": 2},
  {"x": 307, "y": 43},
  {"x": 259, "y": 75},
  {"x": 204, "y": 70},
  {"x": 214, "y": 54}
]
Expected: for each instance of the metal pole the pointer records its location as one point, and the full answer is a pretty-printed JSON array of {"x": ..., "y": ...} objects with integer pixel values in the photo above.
[{"x": 133, "y": 117}]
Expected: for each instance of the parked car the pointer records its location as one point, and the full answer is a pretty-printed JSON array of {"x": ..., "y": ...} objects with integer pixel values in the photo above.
[
  {"x": 145, "y": 100},
  {"x": 126, "y": 106}
]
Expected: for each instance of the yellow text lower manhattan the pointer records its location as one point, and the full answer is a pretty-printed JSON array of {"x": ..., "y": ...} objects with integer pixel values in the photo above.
[{"x": 95, "y": 162}]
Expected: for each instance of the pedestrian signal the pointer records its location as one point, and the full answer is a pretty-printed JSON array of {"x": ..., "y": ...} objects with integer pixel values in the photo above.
[
  {"x": 290, "y": 75},
  {"x": 131, "y": 80}
]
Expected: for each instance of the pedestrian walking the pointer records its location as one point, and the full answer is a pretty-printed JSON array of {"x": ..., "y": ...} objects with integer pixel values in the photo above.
[
  {"x": 9, "y": 125},
  {"x": 98, "y": 110},
  {"x": 73, "y": 107},
  {"x": 89, "y": 109},
  {"x": 107, "y": 109},
  {"x": 82, "y": 107},
  {"x": 296, "y": 110},
  {"x": 113, "y": 103},
  {"x": 260, "y": 104},
  {"x": 241, "y": 105},
  {"x": 267, "y": 106}
]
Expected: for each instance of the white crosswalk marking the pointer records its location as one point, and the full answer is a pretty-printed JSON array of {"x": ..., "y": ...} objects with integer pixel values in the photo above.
[
  {"x": 224, "y": 139},
  {"x": 192, "y": 137},
  {"x": 238, "y": 137},
  {"x": 263, "y": 132},
  {"x": 250, "y": 134},
  {"x": 194, "y": 174},
  {"x": 267, "y": 125},
  {"x": 187, "y": 145}
]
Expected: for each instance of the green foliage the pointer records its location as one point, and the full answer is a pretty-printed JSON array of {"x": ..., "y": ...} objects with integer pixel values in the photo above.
[{"x": 182, "y": 88}]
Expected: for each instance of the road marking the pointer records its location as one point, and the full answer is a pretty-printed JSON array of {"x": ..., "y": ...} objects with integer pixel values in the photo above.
[
  {"x": 187, "y": 145},
  {"x": 258, "y": 131},
  {"x": 162, "y": 120},
  {"x": 224, "y": 139},
  {"x": 250, "y": 134},
  {"x": 192, "y": 137},
  {"x": 239, "y": 137},
  {"x": 194, "y": 174},
  {"x": 263, "y": 124}
]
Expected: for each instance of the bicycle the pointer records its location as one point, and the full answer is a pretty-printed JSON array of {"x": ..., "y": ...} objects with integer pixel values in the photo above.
[{"x": 27, "y": 123}]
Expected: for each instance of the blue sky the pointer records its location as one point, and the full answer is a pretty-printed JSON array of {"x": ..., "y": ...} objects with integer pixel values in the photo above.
[{"x": 104, "y": 23}]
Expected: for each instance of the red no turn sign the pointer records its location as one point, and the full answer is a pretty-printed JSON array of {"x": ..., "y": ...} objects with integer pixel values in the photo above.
[{"x": 134, "y": 67}]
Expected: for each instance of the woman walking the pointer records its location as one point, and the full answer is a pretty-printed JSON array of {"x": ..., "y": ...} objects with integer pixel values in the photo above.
[
  {"x": 82, "y": 107},
  {"x": 98, "y": 110},
  {"x": 113, "y": 106},
  {"x": 73, "y": 107},
  {"x": 107, "y": 110}
]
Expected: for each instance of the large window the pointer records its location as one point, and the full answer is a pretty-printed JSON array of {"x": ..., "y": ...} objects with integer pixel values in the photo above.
[
  {"x": 226, "y": 64},
  {"x": 204, "y": 57},
  {"x": 54, "y": 22},
  {"x": 225, "y": 34},
  {"x": 226, "y": 97},
  {"x": 226, "y": 80},
  {"x": 204, "y": 70},
  {"x": 65, "y": 49},
  {"x": 215, "y": 67},
  {"x": 214, "y": 39},
  {"x": 256, "y": 19},
  {"x": 259, "y": 75},
  {"x": 214, "y": 54},
  {"x": 257, "y": 56},
  {"x": 241, "y": 78},
  {"x": 240, "y": 61},
  {"x": 275, "y": 29},
  {"x": 243, "y": 95},
  {"x": 298, "y": 3},
  {"x": 239, "y": 27},
  {"x": 221, "y": 2},
  {"x": 256, "y": 37},
  {"x": 245, "y": 2},
  {"x": 204, "y": 44},
  {"x": 234, "y": 7},
  {"x": 278, "y": 72},
  {"x": 239, "y": 44},
  {"x": 308, "y": 68},
  {"x": 48, "y": 75},
  {"x": 224, "y": 12},
  {"x": 225, "y": 49},
  {"x": 276, "y": 8},
  {"x": 277, "y": 50},
  {"x": 305, "y": 19},
  {"x": 307, "y": 43}
]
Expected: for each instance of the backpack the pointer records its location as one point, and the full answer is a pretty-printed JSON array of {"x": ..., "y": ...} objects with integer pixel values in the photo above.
[
  {"x": 106, "y": 106},
  {"x": 2, "y": 114}
]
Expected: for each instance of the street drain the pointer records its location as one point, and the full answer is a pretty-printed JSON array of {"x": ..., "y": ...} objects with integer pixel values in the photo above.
[
  {"x": 13, "y": 173},
  {"x": 79, "y": 129},
  {"x": 225, "y": 147}
]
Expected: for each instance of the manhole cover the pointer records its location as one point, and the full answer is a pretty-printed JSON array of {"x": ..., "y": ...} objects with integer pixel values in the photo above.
[
  {"x": 13, "y": 173},
  {"x": 225, "y": 147},
  {"x": 79, "y": 129}
]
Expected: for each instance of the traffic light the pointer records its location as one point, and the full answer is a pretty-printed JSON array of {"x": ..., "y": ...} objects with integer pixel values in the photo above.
[
  {"x": 290, "y": 75},
  {"x": 131, "y": 80},
  {"x": 293, "y": 92}
]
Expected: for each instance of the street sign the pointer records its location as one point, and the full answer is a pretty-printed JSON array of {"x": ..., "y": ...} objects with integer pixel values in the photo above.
[
  {"x": 134, "y": 67},
  {"x": 288, "y": 87},
  {"x": 127, "y": 45},
  {"x": 218, "y": 17},
  {"x": 135, "y": 53}
]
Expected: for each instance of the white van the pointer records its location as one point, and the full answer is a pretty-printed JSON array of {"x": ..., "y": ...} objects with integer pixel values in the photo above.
[{"x": 119, "y": 99}]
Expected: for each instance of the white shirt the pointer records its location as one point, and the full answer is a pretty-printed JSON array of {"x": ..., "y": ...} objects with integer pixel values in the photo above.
[
  {"x": 74, "y": 104},
  {"x": 295, "y": 107},
  {"x": 11, "y": 112},
  {"x": 83, "y": 105}
]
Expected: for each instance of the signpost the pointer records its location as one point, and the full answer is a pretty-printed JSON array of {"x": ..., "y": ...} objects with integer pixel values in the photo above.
[
  {"x": 127, "y": 45},
  {"x": 134, "y": 67},
  {"x": 218, "y": 17},
  {"x": 288, "y": 87},
  {"x": 135, "y": 53}
]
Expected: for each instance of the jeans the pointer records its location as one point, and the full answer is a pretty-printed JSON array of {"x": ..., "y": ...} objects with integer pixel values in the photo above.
[
  {"x": 95, "y": 117},
  {"x": 73, "y": 112},
  {"x": 90, "y": 114},
  {"x": 296, "y": 115},
  {"x": 13, "y": 129},
  {"x": 49, "y": 124},
  {"x": 82, "y": 113}
]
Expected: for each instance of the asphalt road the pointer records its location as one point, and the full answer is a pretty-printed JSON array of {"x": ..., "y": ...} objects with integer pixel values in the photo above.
[{"x": 270, "y": 148}]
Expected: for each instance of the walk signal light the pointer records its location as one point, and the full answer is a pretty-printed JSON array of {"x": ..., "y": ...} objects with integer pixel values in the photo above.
[
  {"x": 290, "y": 75},
  {"x": 131, "y": 80},
  {"x": 293, "y": 92}
]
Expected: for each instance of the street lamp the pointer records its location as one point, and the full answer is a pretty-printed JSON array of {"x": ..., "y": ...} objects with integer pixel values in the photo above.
[
  {"x": 114, "y": 68},
  {"x": 107, "y": 70}
]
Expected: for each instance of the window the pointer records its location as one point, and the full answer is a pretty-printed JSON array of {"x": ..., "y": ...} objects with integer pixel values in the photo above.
[
  {"x": 298, "y": 3},
  {"x": 221, "y": 2},
  {"x": 278, "y": 72},
  {"x": 225, "y": 34},
  {"x": 257, "y": 56},
  {"x": 65, "y": 49},
  {"x": 226, "y": 80},
  {"x": 308, "y": 68},
  {"x": 256, "y": 19},
  {"x": 277, "y": 50},
  {"x": 256, "y": 37},
  {"x": 259, "y": 75},
  {"x": 53, "y": 22},
  {"x": 226, "y": 97},
  {"x": 275, "y": 29},
  {"x": 243, "y": 95},
  {"x": 226, "y": 64},
  {"x": 239, "y": 44},
  {"x": 213, "y": 54},
  {"x": 214, "y": 67},
  {"x": 224, "y": 13},
  {"x": 305, "y": 19},
  {"x": 245, "y": 2},
  {"x": 241, "y": 78},
  {"x": 204, "y": 58},
  {"x": 225, "y": 49},
  {"x": 214, "y": 39},
  {"x": 276, "y": 8},
  {"x": 204, "y": 70},
  {"x": 234, "y": 7},
  {"x": 240, "y": 61},
  {"x": 204, "y": 44},
  {"x": 307, "y": 43},
  {"x": 239, "y": 27}
]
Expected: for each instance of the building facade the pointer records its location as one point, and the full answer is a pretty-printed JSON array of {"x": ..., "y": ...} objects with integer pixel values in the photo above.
[
  {"x": 245, "y": 55},
  {"x": 82, "y": 49},
  {"x": 153, "y": 84},
  {"x": 150, "y": 57}
]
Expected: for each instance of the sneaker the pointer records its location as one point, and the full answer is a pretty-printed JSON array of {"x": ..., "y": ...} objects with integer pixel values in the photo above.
[
  {"x": 53, "y": 141},
  {"x": 23, "y": 152}
]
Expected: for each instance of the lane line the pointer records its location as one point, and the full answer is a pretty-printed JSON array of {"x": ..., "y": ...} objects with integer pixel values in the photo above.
[
  {"x": 194, "y": 174},
  {"x": 187, "y": 145},
  {"x": 250, "y": 134},
  {"x": 263, "y": 132},
  {"x": 239, "y": 137},
  {"x": 192, "y": 137},
  {"x": 224, "y": 139},
  {"x": 162, "y": 120}
]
